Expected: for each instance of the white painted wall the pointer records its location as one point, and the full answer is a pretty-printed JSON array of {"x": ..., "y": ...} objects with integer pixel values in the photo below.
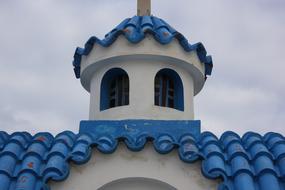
[
  {"x": 142, "y": 61},
  {"x": 110, "y": 171},
  {"x": 141, "y": 106}
]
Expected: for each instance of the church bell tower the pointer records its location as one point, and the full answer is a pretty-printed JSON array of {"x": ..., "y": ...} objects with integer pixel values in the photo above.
[
  {"x": 143, "y": 70},
  {"x": 141, "y": 133},
  {"x": 142, "y": 79}
]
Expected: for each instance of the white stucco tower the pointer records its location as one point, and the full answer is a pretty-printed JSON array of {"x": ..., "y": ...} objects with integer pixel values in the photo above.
[
  {"x": 143, "y": 69},
  {"x": 142, "y": 78}
]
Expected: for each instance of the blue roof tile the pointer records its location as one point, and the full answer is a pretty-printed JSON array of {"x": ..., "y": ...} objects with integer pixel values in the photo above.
[
  {"x": 251, "y": 162},
  {"x": 135, "y": 29}
]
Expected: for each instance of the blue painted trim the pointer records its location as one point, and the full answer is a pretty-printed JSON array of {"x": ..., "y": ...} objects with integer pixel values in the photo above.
[
  {"x": 136, "y": 132},
  {"x": 120, "y": 128},
  {"x": 135, "y": 30}
]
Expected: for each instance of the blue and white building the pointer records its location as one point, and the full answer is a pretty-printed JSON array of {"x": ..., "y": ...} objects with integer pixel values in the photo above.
[{"x": 142, "y": 133}]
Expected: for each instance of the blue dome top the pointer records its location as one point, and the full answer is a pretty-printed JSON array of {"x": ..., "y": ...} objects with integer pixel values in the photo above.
[{"x": 135, "y": 30}]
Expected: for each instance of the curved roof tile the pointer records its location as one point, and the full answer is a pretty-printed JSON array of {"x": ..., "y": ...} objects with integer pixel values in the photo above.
[
  {"x": 135, "y": 29},
  {"x": 253, "y": 162}
]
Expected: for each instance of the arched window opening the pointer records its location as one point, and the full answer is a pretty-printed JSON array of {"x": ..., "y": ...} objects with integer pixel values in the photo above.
[
  {"x": 168, "y": 89},
  {"x": 114, "y": 89}
]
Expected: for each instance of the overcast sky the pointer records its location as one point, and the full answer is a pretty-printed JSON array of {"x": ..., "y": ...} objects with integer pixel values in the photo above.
[{"x": 246, "y": 38}]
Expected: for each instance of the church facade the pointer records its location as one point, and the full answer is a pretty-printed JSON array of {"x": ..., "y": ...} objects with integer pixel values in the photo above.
[{"x": 142, "y": 133}]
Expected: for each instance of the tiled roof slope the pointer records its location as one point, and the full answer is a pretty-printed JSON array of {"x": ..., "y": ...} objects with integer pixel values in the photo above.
[
  {"x": 28, "y": 162},
  {"x": 135, "y": 30},
  {"x": 253, "y": 162}
]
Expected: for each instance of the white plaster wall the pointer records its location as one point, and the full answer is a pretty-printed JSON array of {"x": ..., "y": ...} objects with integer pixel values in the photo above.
[
  {"x": 105, "y": 169},
  {"x": 142, "y": 61},
  {"x": 141, "y": 105},
  {"x": 148, "y": 49}
]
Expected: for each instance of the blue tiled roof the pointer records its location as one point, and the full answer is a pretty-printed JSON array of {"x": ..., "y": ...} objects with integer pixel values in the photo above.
[
  {"x": 253, "y": 162},
  {"x": 135, "y": 30},
  {"x": 28, "y": 162}
]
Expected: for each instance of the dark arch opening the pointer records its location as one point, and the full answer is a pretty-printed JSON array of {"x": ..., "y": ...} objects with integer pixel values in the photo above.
[
  {"x": 135, "y": 182},
  {"x": 114, "y": 89},
  {"x": 168, "y": 89}
]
